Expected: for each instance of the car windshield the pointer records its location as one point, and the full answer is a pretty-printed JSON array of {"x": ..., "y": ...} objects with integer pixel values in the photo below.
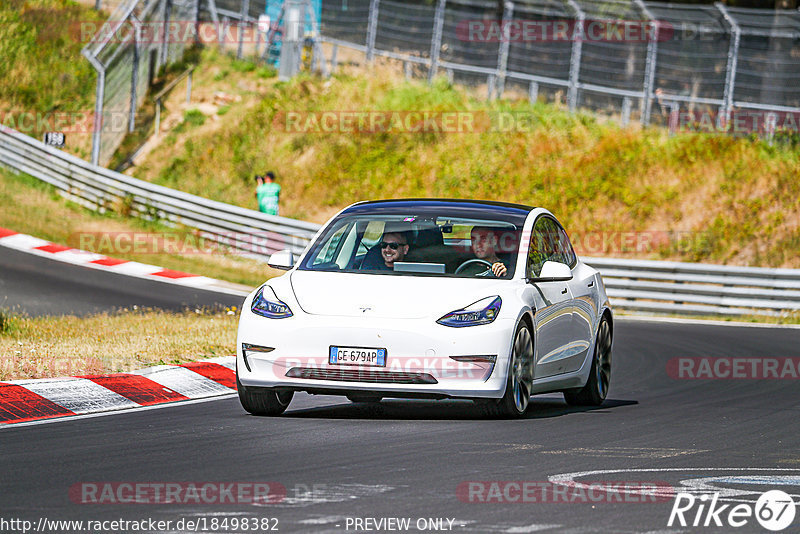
[{"x": 430, "y": 242}]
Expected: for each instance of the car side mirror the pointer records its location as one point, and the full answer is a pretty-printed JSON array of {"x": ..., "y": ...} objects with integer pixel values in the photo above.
[
  {"x": 553, "y": 271},
  {"x": 283, "y": 260}
]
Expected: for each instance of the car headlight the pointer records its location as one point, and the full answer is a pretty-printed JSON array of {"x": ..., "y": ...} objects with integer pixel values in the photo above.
[
  {"x": 267, "y": 304},
  {"x": 482, "y": 312}
]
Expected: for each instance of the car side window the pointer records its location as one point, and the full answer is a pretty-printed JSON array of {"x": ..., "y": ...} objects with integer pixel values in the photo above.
[
  {"x": 565, "y": 250},
  {"x": 543, "y": 246}
]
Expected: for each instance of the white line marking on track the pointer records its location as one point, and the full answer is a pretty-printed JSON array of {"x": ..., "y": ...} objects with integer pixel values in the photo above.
[
  {"x": 628, "y": 452},
  {"x": 568, "y": 479},
  {"x": 530, "y": 528}
]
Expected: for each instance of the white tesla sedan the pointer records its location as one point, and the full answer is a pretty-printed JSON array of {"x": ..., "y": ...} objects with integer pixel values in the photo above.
[{"x": 429, "y": 299}]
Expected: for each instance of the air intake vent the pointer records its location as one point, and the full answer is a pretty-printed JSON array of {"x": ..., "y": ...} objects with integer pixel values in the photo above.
[{"x": 361, "y": 375}]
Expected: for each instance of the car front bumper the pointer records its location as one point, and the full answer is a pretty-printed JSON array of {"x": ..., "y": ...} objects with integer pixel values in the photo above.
[{"x": 418, "y": 355}]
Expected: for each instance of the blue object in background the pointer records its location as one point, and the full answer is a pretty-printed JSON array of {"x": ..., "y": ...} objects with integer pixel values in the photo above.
[{"x": 273, "y": 11}]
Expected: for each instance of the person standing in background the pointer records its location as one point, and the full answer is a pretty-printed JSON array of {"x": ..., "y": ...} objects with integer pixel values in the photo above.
[{"x": 268, "y": 193}]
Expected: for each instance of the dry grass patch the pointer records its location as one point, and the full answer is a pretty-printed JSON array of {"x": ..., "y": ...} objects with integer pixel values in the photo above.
[{"x": 44, "y": 347}]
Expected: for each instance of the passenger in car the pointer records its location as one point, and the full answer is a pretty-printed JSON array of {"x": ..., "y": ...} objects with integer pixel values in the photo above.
[
  {"x": 484, "y": 245},
  {"x": 392, "y": 247}
]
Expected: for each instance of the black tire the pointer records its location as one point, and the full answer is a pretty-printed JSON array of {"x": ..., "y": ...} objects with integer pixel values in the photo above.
[
  {"x": 365, "y": 398},
  {"x": 596, "y": 388},
  {"x": 516, "y": 399},
  {"x": 260, "y": 401}
]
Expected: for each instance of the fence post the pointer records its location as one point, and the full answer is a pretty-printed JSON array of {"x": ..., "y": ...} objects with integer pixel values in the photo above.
[
  {"x": 372, "y": 29},
  {"x": 646, "y": 106},
  {"x": 730, "y": 74},
  {"x": 98, "y": 103},
  {"x": 164, "y": 40},
  {"x": 97, "y": 134},
  {"x": 575, "y": 56},
  {"x": 436, "y": 39},
  {"x": 196, "y": 15},
  {"x": 502, "y": 57},
  {"x": 137, "y": 40},
  {"x": 245, "y": 14}
]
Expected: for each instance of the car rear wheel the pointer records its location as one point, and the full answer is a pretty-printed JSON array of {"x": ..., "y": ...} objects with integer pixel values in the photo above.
[
  {"x": 520, "y": 377},
  {"x": 261, "y": 401},
  {"x": 596, "y": 388}
]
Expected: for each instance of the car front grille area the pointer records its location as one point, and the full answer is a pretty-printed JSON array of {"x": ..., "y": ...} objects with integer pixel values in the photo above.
[{"x": 361, "y": 375}]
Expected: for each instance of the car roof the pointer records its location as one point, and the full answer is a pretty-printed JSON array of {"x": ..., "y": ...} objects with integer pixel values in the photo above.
[{"x": 406, "y": 203}]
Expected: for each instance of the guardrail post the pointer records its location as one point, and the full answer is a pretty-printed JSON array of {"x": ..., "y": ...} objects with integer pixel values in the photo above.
[
  {"x": 372, "y": 29},
  {"x": 436, "y": 39},
  {"x": 533, "y": 92},
  {"x": 575, "y": 56},
  {"x": 245, "y": 15},
  {"x": 730, "y": 73},
  {"x": 650, "y": 65},
  {"x": 626, "y": 110},
  {"x": 502, "y": 56}
]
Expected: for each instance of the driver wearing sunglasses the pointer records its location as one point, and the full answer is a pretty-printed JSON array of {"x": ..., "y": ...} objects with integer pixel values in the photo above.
[{"x": 394, "y": 247}]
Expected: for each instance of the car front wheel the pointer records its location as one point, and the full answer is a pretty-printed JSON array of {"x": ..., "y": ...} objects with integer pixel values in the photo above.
[
  {"x": 520, "y": 377},
  {"x": 261, "y": 401}
]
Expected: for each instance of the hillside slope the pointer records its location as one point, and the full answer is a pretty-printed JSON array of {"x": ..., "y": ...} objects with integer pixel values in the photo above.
[{"x": 619, "y": 191}]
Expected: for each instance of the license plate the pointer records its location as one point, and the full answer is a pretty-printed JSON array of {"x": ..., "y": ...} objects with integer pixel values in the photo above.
[{"x": 358, "y": 356}]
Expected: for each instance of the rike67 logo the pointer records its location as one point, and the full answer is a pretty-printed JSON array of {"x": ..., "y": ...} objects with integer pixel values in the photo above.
[{"x": 774, "y": 510}]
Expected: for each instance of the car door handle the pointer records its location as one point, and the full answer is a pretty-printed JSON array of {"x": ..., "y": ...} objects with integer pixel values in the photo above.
[
  {"x": 591, "y": 284},
  {"x": 564, "y": 291}
]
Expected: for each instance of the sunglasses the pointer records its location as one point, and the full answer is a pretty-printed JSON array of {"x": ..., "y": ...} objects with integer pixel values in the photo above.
[{"x": 393, "y": 246}]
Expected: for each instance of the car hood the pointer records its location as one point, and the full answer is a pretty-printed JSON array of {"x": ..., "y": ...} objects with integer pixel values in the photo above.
[{"x": 387, "y": 296}]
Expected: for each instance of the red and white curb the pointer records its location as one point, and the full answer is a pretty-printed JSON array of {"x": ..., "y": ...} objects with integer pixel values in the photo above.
[
  {"x": 40, "y": 247},
  {"x": 46, "y": 398}
]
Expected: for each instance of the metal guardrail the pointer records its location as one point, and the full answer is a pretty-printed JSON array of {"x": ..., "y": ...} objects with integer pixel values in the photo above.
[
  {"x": 245, "y": 231},
  {"x": 698, "y": 288},
  {"x": 652, "y": 286}
]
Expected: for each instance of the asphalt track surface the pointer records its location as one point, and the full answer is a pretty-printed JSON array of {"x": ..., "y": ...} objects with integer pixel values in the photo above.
[
  {"x": 407, "y": 459},
  {"x": 42, "y": 286}
]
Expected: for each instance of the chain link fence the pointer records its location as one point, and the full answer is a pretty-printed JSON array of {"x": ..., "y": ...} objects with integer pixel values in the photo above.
[
  {"x": 638, "y": 60},
  {"x": 128, "y": 51}
]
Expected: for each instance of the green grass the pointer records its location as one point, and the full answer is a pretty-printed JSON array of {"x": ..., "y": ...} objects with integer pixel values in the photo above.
[
  {"x": 44, "y": 74},
  {"x": 719, "y": 198}
]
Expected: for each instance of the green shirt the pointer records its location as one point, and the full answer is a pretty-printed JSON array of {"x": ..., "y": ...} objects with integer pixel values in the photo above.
[{"x": 267, "y": 195}]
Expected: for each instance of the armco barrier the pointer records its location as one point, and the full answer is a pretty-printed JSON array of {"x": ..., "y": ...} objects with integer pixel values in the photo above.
[
  {"x": 652, "y": 286},
  {"x": 248, "y": 232}
]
